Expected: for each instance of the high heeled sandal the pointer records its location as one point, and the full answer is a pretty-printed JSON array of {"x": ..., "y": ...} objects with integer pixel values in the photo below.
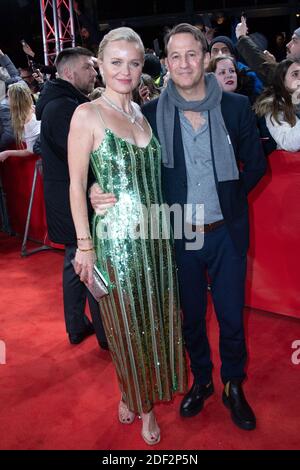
[
  {"x": 151, "y": 437},
  {"x": 125, "y": 415}
]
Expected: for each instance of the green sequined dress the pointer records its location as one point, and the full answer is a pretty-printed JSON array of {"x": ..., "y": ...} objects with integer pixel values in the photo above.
[{"x": 141, "y": 314}]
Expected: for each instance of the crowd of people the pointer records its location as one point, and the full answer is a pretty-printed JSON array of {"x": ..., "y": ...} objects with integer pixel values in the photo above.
[{"x": 146, "y": 132}]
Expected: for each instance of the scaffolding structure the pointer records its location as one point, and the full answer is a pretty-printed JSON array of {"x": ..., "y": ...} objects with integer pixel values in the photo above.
[{"x": 57, "y": 27}]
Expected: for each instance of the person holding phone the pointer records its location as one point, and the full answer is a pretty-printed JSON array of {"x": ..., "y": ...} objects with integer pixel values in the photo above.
[
  {"x": 146, "y": 91},
  {"x": 263, "y": 62},
  {"x": 35, "y": 64}
]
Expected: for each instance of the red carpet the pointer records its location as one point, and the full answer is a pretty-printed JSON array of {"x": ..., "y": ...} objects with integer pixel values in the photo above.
[{"x": 57, "y": 396}]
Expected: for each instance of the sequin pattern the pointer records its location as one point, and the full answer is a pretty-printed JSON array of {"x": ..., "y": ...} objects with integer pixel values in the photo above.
[{"x": 141, "y": 314}]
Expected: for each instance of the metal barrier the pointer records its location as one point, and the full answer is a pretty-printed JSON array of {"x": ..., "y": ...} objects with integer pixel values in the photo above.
[{"x": 38, "y": 168}]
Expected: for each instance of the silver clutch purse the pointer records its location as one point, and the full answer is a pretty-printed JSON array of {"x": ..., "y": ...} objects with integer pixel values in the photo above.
[{"x": 99, "y": 287}]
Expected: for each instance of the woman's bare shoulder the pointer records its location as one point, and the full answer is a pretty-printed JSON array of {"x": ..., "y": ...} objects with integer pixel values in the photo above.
[
  {"x": 91, "y": 109},
  {"x": 90, "y": 116},
  {"x": 86, "y": 115},
  {"x": 84, "y": 110}
]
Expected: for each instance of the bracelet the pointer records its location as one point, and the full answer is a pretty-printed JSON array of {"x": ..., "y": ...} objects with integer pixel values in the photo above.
[
  {"x": 85, "y": 238},
  {"x": 84, "y": 250}
]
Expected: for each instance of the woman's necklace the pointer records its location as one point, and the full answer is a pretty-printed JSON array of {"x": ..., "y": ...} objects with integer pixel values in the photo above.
[{"x": 131, "y": 116}]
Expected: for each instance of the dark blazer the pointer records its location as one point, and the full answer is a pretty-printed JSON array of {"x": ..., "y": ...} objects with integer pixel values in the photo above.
[{"x": 241, "y": 125}]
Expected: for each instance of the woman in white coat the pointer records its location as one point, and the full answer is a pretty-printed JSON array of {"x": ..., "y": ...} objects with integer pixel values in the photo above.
[{"x": 280, "y": 105}]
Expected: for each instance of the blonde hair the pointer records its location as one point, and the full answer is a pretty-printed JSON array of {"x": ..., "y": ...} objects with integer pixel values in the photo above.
[
  {"x": 20, "y": 103},
  {"x": 120, "y": 34}
]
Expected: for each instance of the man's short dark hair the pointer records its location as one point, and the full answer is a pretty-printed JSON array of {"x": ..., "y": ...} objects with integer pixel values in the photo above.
[
  {"x": 190, "y": 29},
  {"x": 70, "y": 53}
]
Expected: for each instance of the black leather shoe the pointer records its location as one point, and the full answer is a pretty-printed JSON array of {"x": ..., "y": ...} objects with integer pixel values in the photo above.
[
  {"x": 193, "y": 401},
  {"x": 76, "y": 338},
  {"x": 241, "y": 412}
]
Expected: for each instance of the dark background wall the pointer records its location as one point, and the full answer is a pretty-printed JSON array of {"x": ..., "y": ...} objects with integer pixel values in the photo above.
[{"x": 21, "y": 18}]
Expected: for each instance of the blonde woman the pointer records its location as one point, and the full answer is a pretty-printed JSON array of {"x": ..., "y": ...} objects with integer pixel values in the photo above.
[
  {"x": 23, "y": 119},
  {"x": 141, "y": 313}
]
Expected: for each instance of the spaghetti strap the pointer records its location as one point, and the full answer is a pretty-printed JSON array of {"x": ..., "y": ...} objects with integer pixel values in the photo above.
[
  {"x": 137, "y": 107},
  {"x": 149, "y": 127},
  {"x": 100, "y": 115}
]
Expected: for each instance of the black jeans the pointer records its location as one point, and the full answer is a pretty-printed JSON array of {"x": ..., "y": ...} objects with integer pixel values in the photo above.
[{"x": 75, "y": 294}]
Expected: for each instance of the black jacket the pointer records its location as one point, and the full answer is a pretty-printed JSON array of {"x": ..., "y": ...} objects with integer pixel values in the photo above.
[
  {"x": 241, "y": 126},
  {"x": 55, "y": 107},
  {"x": 7, "y": 137},
  {"x": 256, "y": 59}
]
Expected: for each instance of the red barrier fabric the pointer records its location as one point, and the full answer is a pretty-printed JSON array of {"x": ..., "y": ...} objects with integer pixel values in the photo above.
[
  {"x": 273, "y": 277},
  {"x": 17, "y": 176}
]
